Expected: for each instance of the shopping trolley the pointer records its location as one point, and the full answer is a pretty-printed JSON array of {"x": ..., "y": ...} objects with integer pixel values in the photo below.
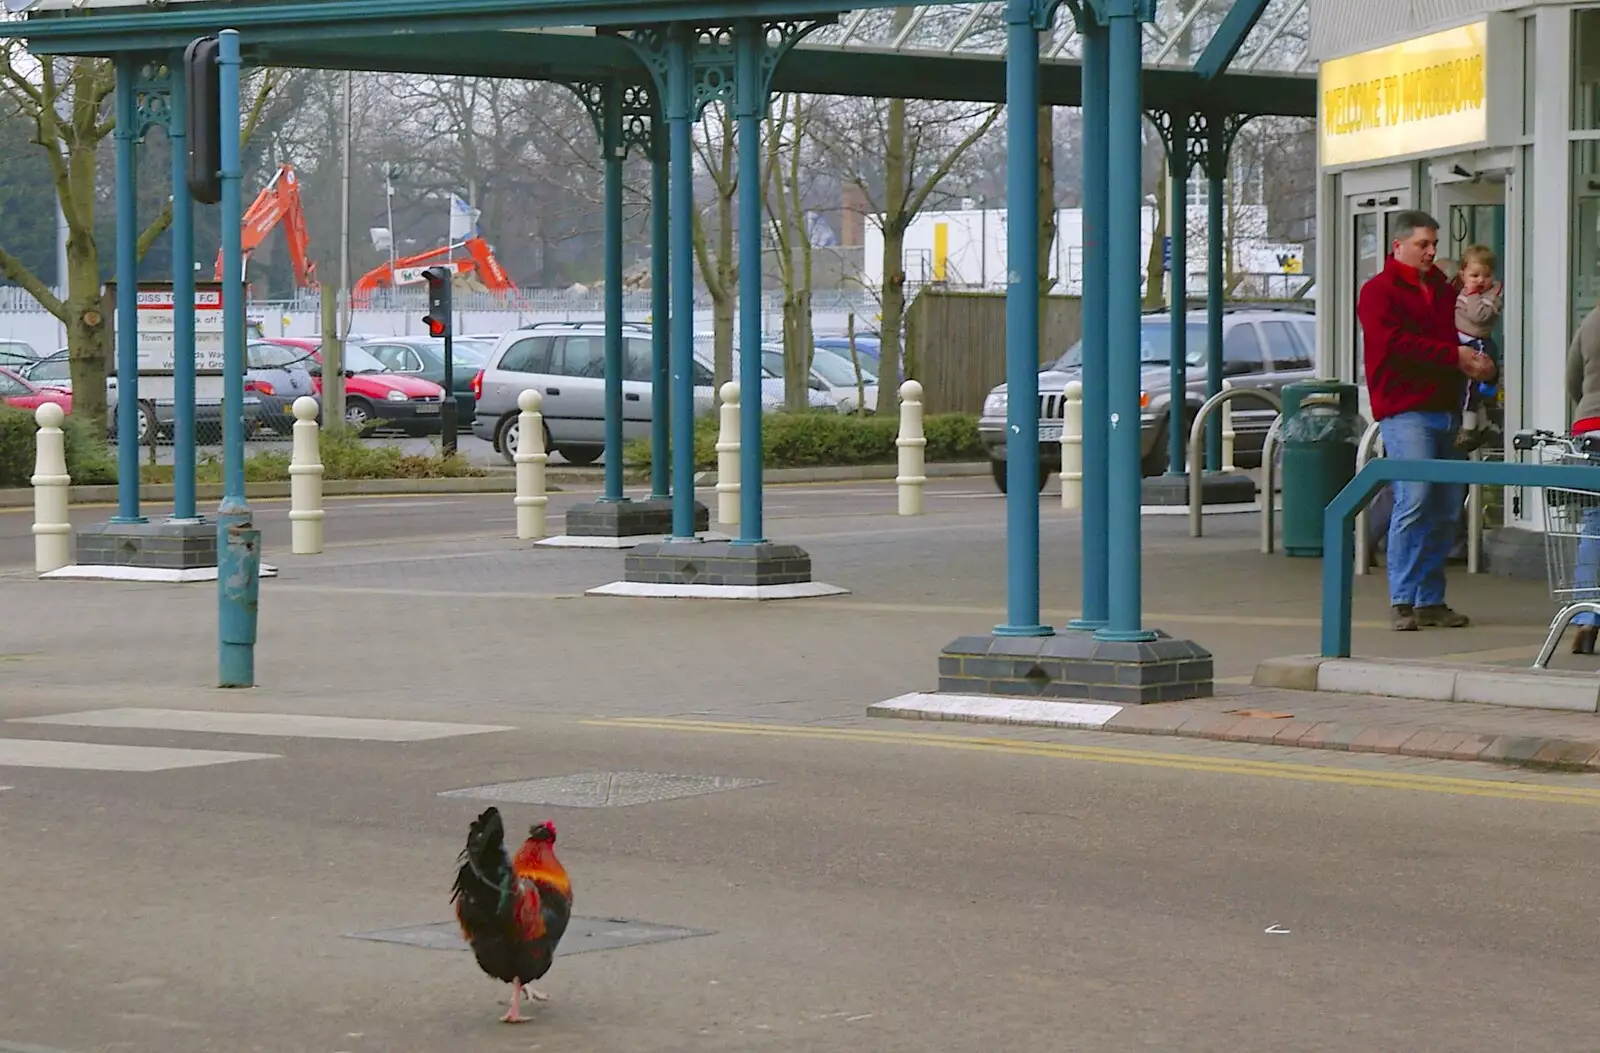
[{"x": 1571, "y": 534}]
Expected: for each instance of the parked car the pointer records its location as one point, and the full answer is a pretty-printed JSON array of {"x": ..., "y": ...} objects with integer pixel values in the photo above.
[
  {"x": 18, "y": 392},
  {"x": 55, "y": 371},
  {"x": 423, "y": 356},
  {"x": 566, "y": 362},
  {"x": 832, "y": 375},
  {"x": 1263, "y": 347},
  {"x": 869, "y": 348},
  {"x": 372, "y": 393},
  {"x": 17, "y": 355},
  {"x": 278, "y": 375}
]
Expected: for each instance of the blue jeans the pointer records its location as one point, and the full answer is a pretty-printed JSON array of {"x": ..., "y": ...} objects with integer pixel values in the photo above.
[
  {"x": 1422, "y": 528},
  {"x": 1586, "y": 575}
]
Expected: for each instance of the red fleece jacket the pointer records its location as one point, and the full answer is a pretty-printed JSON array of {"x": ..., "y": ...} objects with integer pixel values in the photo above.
[{"x": 1408, "y": 325}]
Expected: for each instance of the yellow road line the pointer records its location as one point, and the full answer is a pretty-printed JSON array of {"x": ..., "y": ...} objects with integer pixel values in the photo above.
[{"x": 1406, "y": 781}]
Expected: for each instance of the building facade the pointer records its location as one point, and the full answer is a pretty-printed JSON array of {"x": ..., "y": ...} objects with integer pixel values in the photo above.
[{"x": 1486, "y": 115}]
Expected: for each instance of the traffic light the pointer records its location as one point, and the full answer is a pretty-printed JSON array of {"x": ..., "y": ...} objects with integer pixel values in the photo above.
[
  {"x": 203, "y": 78},
  {"x": 438, "y": 316}
]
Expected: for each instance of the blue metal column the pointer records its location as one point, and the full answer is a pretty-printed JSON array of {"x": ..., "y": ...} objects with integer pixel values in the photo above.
[
  {"x": 1096, "y": 467},
  {"x": 660, "y": 313},
  {"x": 183, "y": 429},
  {"x": 1178, "y": 165},
  {"x": 1125, "y": 150},
  {"x": 750, "y": 103},
  {"x": 127, "y": 135},
  {"x": 238, "y": 540},
  {"x": 611, "y": 143},
  {"x": 1217, "y": 155},
  {"x": 680, "y": 114},
  {"x": 1022, "y": 324}
]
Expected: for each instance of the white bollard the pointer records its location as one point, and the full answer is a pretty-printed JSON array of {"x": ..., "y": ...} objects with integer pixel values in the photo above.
[
  {"x": 305, "y": 480},
  {"x": 52, "y": 529},
  {"x": 1228, "y": 434},
  {"x": 728, "y": 457},
  {"x": 1072, "y": 446},
  {"x": 912, "y": 444},
  {"x": 530, "y": 458}
]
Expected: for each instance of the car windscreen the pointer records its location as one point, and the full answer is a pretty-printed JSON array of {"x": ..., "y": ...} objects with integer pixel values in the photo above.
[
  {"x": 1155, "y": 346},
  {"x": 51, "y": 371},
  {"x": 838, "y": 371},
  {"x": 359, "y": 360}
]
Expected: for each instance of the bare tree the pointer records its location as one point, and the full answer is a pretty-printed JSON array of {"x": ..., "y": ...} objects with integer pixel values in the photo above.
[
  {"x": 68, "y": 102},
  {"x": 718, "y": 154},
  {"x": 787, "y": 137}
]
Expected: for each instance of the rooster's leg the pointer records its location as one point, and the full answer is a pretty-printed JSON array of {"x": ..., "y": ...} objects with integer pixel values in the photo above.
[{"x": 514, "y": 1015}]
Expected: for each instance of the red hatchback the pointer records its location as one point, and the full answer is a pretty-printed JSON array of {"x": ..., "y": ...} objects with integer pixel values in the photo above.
[
  {"x": 24, "y": 394},
  {"x": 372, "y": 393}
]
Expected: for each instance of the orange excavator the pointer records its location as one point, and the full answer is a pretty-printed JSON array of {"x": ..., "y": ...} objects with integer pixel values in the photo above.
[
  {"x": 279, "y": 202},
  {"x": 478, "y": 267}
]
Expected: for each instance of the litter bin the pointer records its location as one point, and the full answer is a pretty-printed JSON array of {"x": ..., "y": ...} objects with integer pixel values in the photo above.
[{"x": 1321, "y": 430}]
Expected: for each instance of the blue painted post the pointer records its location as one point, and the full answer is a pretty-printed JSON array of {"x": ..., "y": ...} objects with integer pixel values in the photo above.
[
  {"x": 751, "y": 103},
  {"x": 183, "y": 426},
  {"x": 1217, "y": 153},
  {"x": 660, "y": 313},
  {"x": 1096, "y": 469},
  {"x": 611, "y": 142},
  {"x": 1122, "y": 231},
  {"x": 127, "y": 136},
  {"x": 238, "y": 540},
  {"x": 1178, "y": 165},
  {"x": 1022, "y": 324},
  {"x": 680, "y": 114}
]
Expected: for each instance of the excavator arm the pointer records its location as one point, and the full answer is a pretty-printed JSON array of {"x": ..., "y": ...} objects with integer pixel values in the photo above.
[
  {"x": 479, "y": 264},
  {"x": 278, "y": 202}
]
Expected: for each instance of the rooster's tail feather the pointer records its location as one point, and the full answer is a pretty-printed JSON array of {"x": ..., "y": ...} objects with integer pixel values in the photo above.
[{"x": 485, "y": 869}]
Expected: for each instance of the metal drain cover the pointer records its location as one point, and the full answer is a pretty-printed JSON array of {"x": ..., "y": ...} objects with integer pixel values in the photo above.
[
  {"x": 583, "y": 934},
  {"x": 604, "y": 789}
]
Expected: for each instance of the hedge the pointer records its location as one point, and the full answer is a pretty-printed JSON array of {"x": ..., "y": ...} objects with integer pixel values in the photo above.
[
  {"x": 810, "y": 440},
  {"x": 88, "y": 461}
]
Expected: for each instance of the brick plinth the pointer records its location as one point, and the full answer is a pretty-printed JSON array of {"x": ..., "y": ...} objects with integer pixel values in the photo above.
[
  {"x": 164, "y": 545},
  {"x": 628, "y": 519},
  {"x": 1074, "y": 665},
  {"x": 716, "y": 563}
]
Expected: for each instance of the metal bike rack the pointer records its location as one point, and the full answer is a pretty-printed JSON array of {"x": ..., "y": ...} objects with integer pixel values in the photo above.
[
  {"x": 1558, "y": 626},
  {"x": 1197, "y": 443},
  {"x": 1269, "y": 485},
  {"x": 1371, "y": 440}
]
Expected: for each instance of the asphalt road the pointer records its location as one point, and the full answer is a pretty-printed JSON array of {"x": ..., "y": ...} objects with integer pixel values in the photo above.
[
  {"x": 876, "y": 890},
  {"x": 192, "y": 881}
]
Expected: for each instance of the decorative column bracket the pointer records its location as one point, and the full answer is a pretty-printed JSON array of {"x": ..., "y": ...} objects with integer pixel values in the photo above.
[
  {"x": 712, "y": 57},
  {"x": 1165, "y": 123},
  {"x": 152, "y": 95},
  {"x": 639, "y": 112},
  {"x": 1211, "y": 140},
  {"x": 1105, "y": 10}
]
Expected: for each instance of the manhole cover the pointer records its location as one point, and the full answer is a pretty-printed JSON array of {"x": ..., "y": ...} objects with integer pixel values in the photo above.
[
  {"x": 604, "y": 789},
  {"x": 583, "y": 934}
]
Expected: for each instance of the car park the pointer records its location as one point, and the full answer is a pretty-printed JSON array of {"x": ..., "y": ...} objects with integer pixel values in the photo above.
[
  {"x": 1264, "y": 347},
  {"x": 278, "y": 375},
  {"x": 18, "y": 392},
  {"x": 372, "y": 394},
  {"x": 423, "y": 356},
  {"x": 55, "y": 371}
]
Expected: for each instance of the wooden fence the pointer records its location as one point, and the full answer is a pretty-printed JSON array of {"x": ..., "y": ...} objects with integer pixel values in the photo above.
[{"x": 958, "y": 342}]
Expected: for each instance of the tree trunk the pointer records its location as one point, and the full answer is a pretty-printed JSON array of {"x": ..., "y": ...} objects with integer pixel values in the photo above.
[
  {"x": 895, "y": 193},
  {"x": 1154, "y": 292},
  {"x": 88, "y": 325}
]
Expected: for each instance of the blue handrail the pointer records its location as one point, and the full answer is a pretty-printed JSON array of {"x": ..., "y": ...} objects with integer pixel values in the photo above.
[{"x": 1338, "y": 535}]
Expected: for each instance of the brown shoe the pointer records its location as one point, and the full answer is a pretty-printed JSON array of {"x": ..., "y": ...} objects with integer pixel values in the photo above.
[
  {"x": 1405, "y": 618},
  {"x": 1440, "y": 616},
  {"x": 1584, "y": 642}
]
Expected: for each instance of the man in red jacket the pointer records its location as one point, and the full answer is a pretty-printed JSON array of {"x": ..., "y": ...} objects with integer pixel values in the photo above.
[{"x": 1417, "y": 371}]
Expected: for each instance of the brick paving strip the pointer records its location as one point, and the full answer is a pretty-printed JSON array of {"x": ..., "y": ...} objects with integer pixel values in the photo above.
[{"x": 1327, "y": 721}]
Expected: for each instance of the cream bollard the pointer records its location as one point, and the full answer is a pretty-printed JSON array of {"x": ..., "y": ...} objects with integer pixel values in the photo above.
[
  {"x": 52, "y": 530},
  {"x": 1072, "y": 446},
  {"x": 305, "y": 480},
  {"x": 728, "y": 457},
  {"x": 530, "y": 458},
  {"x": 1228, "y": 434},
  {"x": 913, "y": 444}
]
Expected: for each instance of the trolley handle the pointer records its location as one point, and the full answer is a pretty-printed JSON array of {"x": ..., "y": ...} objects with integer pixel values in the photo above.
[{"x": 1532, "y": 439}]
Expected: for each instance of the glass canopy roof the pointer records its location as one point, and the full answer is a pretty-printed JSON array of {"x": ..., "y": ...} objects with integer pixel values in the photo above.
[{"x": 1278, "y": 44}]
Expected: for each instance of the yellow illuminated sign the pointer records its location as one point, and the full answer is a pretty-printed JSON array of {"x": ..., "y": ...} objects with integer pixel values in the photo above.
[{"x": 1409, "y": 98}]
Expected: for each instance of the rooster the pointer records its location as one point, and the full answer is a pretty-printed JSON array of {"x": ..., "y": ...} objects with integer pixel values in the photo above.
[{"x": 512, "y": 911}]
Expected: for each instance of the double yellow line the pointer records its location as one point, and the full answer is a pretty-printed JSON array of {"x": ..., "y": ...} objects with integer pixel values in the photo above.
[{"x": 1367, "y": 779}]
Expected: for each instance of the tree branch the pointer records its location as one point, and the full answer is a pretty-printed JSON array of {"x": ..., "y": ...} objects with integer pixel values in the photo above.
[
  {"x": 931, "y": 183},
  {"x": 12, "y": 268}
]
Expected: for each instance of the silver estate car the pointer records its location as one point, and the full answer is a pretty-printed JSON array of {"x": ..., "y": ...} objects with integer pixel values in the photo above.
[
  {"x": 1263, "y": 346},
  {"x": 566, "y": 362}
]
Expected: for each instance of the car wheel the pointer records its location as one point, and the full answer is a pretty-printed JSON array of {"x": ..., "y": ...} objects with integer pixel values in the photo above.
[
  {"x": 358, "y": 416},
  {"x": 1159, "y": 458},
  {"x": 506, "y": 439},
  {"x": 998, "y": 470},
  {"x": 579, "y": 456}
]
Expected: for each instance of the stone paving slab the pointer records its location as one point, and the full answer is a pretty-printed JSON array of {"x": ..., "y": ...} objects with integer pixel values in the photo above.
[{"x": 1369, "y": 724}]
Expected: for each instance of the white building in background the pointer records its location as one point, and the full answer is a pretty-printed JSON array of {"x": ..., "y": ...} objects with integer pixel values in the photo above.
[{"x": 967, "y": 249}]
